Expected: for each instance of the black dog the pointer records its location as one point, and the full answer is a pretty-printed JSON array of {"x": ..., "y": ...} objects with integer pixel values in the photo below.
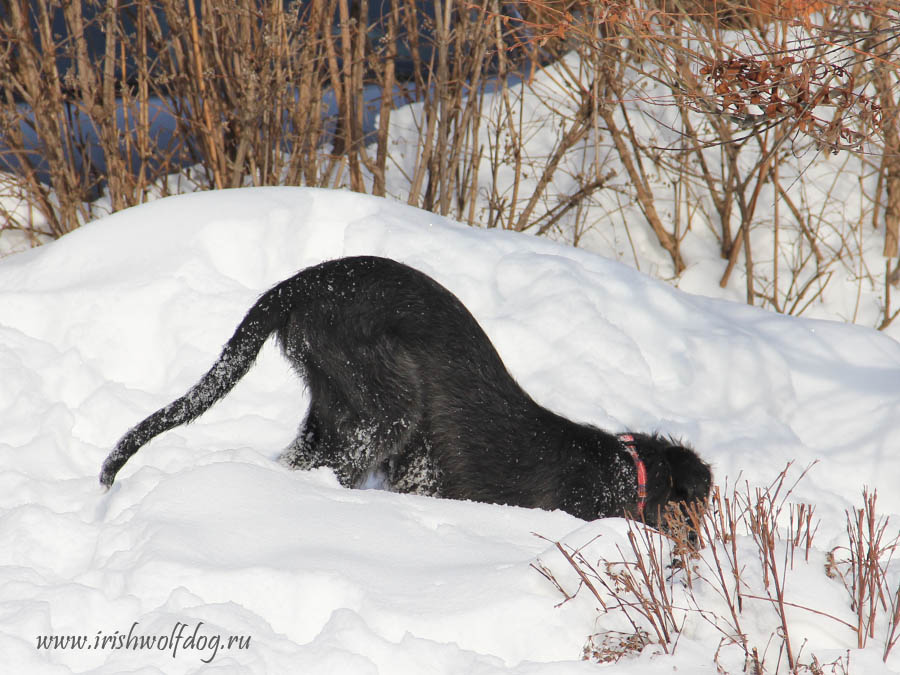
[{"x": 406, "y": 387}]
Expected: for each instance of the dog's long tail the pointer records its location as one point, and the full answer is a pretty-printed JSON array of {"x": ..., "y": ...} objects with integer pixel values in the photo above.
[{"x": 269, "y": 313}]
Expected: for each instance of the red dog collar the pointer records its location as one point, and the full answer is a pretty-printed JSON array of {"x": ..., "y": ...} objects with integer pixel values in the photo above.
[{"x": 627, "y": 441}]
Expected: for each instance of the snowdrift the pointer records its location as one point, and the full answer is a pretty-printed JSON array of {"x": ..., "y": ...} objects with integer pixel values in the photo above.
[{"x": 205, "y": 531}]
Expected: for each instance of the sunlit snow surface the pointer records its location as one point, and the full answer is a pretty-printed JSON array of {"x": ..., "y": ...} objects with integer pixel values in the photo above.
[{"x": 104, "y": 326}]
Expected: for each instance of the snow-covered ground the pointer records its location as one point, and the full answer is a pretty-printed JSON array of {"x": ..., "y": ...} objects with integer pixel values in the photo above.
[{"x": 205, "y": 536}]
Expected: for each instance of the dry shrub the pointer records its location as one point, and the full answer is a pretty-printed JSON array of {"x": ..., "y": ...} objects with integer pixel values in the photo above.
[
  {"x": 743, "y": 552},
  {"x": 611, "y": 646},
  {"x": 862, "y": 566},
  {"x": 748, "y": 95},
  {"x": 260, "y": 94}
]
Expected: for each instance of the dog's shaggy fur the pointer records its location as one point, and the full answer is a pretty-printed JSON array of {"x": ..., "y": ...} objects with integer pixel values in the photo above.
[{"x": 406, "y": 387}]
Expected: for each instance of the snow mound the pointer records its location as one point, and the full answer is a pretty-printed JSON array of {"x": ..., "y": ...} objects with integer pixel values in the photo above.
[{"x": 204, "y": 530}]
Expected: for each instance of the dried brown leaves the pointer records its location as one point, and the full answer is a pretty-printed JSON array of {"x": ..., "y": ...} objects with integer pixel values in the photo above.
[{"x": 800, "y": 90}]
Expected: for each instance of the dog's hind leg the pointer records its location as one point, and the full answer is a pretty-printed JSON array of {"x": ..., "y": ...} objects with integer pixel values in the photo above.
[
  {"x": 388, "y": 449},
  {"x": 354, "y": 448},
  {"x": 413, "y": 471},
  {"x": 318, "y": 444},
  {"x": 305, "y": 451},
  {"x": 365, "y": 408}
]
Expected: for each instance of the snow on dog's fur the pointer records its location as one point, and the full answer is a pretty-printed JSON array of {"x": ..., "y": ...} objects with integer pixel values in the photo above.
[{"x": 407, "y": 390}]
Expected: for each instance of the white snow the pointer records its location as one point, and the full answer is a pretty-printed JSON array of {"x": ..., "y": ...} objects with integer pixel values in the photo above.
[{"x": 103, "y": 326}]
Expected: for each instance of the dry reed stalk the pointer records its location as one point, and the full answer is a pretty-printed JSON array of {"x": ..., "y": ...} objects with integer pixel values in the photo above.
[{"x": 640, "y": 583}]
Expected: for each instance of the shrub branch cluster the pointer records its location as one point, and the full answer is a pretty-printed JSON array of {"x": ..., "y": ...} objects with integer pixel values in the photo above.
[{"x": 746, "y": 548}]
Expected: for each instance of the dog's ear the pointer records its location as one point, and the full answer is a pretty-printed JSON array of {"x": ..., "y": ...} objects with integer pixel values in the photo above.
[{"x": 691, "y": 476}]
